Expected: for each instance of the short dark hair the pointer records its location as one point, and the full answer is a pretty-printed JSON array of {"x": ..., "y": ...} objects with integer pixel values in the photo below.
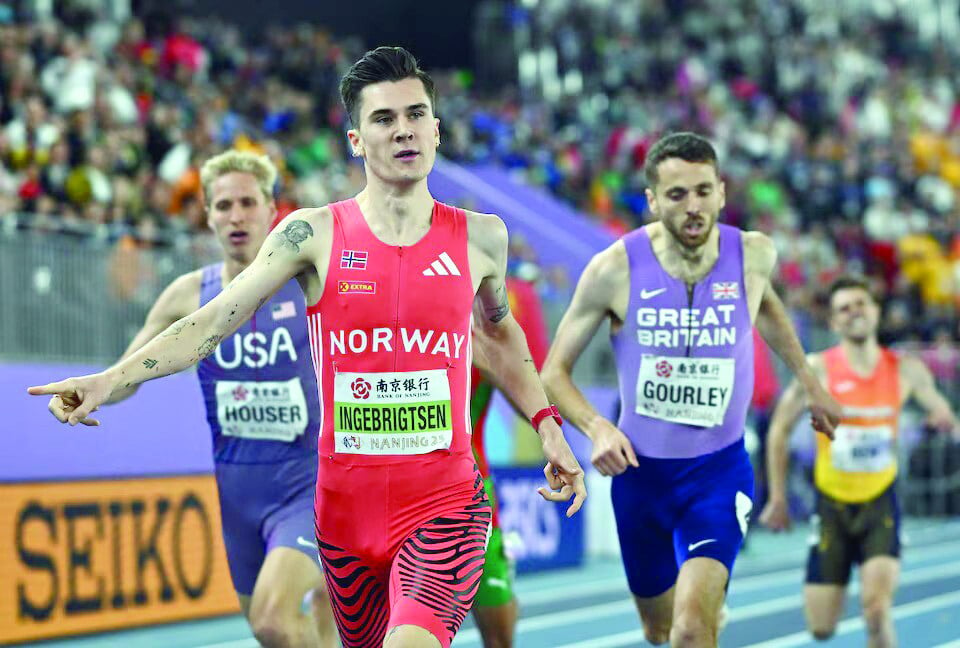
[
  {"x": 382, "y": 64},
  {"x": 847, "y": 281},
  {"x": 687, "y": 146}
]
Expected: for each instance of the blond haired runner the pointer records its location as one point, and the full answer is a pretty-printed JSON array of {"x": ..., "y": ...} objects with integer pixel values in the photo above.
[
  {"x": 260, "y": 394},
  {"x": 857, "y": 517}
]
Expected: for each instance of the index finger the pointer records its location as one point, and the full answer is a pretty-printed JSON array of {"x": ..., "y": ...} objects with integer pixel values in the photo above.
[{"x": 49, "y": 388}]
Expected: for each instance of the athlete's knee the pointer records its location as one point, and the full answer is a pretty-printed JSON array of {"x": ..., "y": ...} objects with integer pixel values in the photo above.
[
  {"x": 822, "y": 632},
  {"x": 692, "y": 631},
  {"x": 274, "y": 627},
  {"x": 275, "y": 632},
  {"x": 657, "y": 635}
]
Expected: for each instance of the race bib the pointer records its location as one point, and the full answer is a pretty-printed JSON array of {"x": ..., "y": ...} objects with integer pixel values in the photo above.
[
  {"x": 692, "y": 391},
  {"x": 263, "y": 410},
  {"x": 392, "y": 413},
  {"x": 859, "y": 448}
]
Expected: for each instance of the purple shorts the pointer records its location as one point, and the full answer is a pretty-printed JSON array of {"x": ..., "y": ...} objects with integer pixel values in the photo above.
[{"x": 264, "y": 506}]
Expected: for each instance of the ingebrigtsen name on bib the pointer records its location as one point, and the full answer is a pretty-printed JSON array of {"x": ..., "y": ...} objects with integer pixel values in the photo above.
[{"x": 382, "y": 339}]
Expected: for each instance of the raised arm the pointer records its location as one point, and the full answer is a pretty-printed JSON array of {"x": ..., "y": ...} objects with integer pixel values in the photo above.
[
  {"x": 920, "y": 385},
  {"x": 505, "y": 347},
  {"x": 789, "y": 408},
  {"x": 593, "y": 302},
  {"x": 776, "y": 328},
  {"x": 292, "y": 248}
]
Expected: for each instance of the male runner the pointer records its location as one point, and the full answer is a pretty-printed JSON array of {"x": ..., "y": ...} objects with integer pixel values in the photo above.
[
  {"x": 858, "y": 518},
  {"x": 495, "y": 608},
  {"x": 681, "y": 295},
  {"x": 391, "y": 278},
  {"x": 260, "y": 393}
]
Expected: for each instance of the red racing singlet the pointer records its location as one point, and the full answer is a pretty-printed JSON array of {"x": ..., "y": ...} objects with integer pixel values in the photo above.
[{"x": 391, "y": 343}]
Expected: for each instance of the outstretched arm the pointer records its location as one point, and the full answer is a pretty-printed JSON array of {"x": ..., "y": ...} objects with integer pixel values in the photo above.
[
  {"x": 286, "y": 253},
  {"x": 505, "y": 348}
]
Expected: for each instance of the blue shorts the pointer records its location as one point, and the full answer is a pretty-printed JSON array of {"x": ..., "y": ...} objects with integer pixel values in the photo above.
[
  {"x": 670, "y": 510},
  {"x": 264, "y": 506}
]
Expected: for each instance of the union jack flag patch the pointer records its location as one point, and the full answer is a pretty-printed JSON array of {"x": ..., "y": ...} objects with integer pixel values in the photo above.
[
  {"x": 726, "y": 290},
  {"x": 353, "y": 260}
]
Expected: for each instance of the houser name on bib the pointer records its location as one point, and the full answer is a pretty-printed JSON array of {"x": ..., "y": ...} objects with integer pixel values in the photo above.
[
  {"x": 692, "y": 391},
  {"x": 392, "y": 413},
  {"x": 264, "y": 410}
]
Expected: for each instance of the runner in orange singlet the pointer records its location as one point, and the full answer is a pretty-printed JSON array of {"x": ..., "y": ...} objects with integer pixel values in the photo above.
[
  {"x": 394, "y": 279},
  {"x": 858, "y": 518}
]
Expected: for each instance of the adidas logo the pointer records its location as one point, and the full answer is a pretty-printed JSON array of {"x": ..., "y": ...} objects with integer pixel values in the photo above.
[{"x": 442, "y": 267}]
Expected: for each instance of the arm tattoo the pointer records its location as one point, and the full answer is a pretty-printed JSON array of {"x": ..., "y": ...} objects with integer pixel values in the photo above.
[
  {"x": 208, "y": 346},
  {"x": 149, "y": 363},
  {"x": 175, "y": 328},
  {"x": 503, "y": 305},
  {"x": 295, "y": 233}
]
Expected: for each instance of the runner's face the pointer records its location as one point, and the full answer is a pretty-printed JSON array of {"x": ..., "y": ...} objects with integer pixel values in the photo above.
[
  {"x": 240, "y": 215},
  {"x": 687, "y": 199},
  {"x": 854, "y": 315},
  {"x": 397, "y": 136}
]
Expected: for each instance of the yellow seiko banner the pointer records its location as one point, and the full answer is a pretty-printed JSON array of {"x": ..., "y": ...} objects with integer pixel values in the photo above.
[{"x": 88, "y": 556}]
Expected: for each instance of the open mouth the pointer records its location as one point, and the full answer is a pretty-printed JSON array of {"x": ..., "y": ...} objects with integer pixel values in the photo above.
[
  {"x": 238, "y": 238},
  {"x": 406, "y": 155},
  {"x": 694, "y": 228}
]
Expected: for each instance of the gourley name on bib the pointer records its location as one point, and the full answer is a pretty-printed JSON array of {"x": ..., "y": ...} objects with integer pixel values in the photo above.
[
  {"x": 264, "y": 410},
  {"x": 692, "y": 391},
  {"x": 391, "y": 413}
]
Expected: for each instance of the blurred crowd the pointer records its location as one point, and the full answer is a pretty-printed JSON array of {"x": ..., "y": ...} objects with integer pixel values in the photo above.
[
  {"x": 838, "y": 130},
  {"x": 836, "y": 125}
]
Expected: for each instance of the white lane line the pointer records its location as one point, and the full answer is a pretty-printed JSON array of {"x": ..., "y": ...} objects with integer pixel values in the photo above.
[
  {"x": 951, "y": 644},
  {"x": 912, "y": 609},
  {"x": 738, "y": 586},
  {"x": 558, "y": 592},
  {"x": 763, "y": 608}
]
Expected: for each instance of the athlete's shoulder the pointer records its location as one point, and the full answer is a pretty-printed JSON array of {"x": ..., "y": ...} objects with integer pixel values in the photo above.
[
  {"x": 759, "y": 252},
  {"x": 487, "y": 231},
  {"x": 314, "y": 216},
  {"x": 183, "y": 293},
  {"x": 606, "y": 273}
]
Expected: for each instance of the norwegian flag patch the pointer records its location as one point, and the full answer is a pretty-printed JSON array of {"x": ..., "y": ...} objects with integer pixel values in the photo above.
[
  {"x": 353, "y": 260},
  {"x": 726, "y": 290}
]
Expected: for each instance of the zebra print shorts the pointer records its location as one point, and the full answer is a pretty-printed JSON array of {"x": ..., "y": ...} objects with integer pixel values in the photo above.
[{"x": 418, "y": 564}]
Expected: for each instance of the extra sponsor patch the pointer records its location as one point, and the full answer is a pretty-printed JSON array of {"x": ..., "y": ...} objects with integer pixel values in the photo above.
[{"x": 357, "y": 287}]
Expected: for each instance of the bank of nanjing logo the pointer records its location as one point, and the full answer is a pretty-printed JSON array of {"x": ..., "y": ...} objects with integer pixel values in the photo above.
[
  {"x": 360, "y": 388},
  {"x": 442, "y": 267},
  {"x": 664, "y": 369}
]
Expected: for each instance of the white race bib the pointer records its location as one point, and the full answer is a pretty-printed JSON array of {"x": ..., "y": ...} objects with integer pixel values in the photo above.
[
  {"x": 860, "y": 448},
  {"x": 264, "y": 410},
  {"x": 692, "y": 391},
  {"x": 392, "y": 413}
]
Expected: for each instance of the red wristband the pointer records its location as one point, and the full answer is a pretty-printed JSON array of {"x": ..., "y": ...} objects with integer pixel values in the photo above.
[{"x": 550, "y": 411}]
